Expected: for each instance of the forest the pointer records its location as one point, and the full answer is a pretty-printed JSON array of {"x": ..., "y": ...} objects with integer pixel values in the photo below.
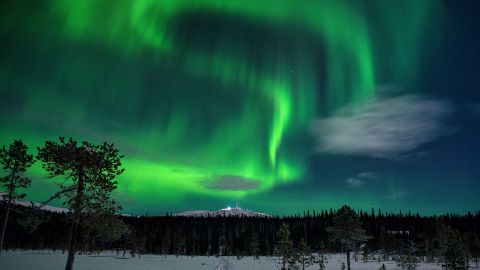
[{"x": 251, "y": 236}]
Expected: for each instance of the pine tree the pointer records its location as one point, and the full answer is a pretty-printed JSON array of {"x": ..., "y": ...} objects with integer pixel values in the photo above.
[
  {"x": 89, "y": 172},
  {"x": 136, "y": 245},
  {"x": 222, "y": 240},
  {"x": 15, "y": 160},
  {"x": 408, "y": 260},
  {"x": 347, "y": 230},
  {"x": 284, "y": 247},
  {"x": 474, "y": 247},
  {"x": 166, "y": 241},
  {"x": 179, "y": 243},
  {"x": 33, "y": 217},
  {"x": 254, "y": 245},
  {"x": 305, "y": 257},
  {"x": 365, "y": 255},
  {"x": 101, "y": 228},
  {"x": 321, "y": 258},
  {"x": 454, "y": 249},
  {"x": 294, "y": 261}
]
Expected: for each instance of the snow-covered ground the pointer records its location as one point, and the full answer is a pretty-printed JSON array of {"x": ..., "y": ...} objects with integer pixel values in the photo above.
[{"x": 48, "y": 260}]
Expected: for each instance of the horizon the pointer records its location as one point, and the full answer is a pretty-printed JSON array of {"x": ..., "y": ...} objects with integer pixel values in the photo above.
[
  {"x": 57, "y": 207},
  {"x": 277, "y": 105}
]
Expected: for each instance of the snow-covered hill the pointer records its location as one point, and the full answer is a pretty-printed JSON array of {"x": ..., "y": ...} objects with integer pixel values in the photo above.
[
  {"x": 225, "y": 212},
  {"x": 45, "y": 207}
]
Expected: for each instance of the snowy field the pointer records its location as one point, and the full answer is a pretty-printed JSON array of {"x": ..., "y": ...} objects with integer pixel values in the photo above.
[{"x": 48, "y": 260}]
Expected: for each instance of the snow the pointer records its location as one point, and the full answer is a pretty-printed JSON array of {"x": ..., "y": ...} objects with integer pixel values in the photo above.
[
  {"x": 225, "y": 212},
  {"x": 49, "y": 260},
  {"x": 48, "y": 208},
  {"x": 45, "y": 207}
]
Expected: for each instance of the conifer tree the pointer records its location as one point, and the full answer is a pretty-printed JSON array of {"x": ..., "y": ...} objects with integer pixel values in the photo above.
[
  {"x": 15, "y": 161},
  {"x": 254, "y": 245},
  {"x": 365, "y": 255},
  {"x": 408, "y": 260},
  {"x": 179, "y": 243},
  {"x": 166, "y": 241},
  {"x": 305, "y": 257},
  {"x": 454, "y": 249},
  {"x": 284, "y": 247},
  {"x": 347, "y": 230},
  {"x": 321, "y": 258},
  {"x": 474, "y": 247},
  {"x": 88, "y": 172},
  {"x": 136, "y": 245}
]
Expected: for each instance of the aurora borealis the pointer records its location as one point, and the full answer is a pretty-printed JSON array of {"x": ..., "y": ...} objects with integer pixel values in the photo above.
[{"x": 280, "y": 105}]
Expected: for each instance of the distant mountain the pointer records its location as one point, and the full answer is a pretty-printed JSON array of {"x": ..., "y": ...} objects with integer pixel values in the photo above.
[
  {"x": 225, "y": 212},
  {"x": 45, "y": 207}
]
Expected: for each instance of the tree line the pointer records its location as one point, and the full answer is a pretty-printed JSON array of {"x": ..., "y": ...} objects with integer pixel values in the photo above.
[
  {"x": 429, "y": 239},
  {"x": 93, "y": 223}
]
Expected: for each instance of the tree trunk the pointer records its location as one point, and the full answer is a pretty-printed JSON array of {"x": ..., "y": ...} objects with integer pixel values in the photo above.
[
  {"x": 76, "y": 222},
  {"x": 9, "y": 203},
  {"x": 4, "y": 223},
  {"x": 348, "y": 259},
  {"x": 73, "y": 241}
]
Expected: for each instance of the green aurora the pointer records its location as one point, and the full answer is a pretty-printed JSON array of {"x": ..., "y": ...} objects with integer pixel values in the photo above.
[{"x": 200, "y": 94}]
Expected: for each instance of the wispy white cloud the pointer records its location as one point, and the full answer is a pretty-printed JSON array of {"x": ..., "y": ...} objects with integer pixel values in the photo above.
[
  {"x": 361, "y": 179},
  {"x": 386, "y": 127},
  {"x": 355, "y": 182}
]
